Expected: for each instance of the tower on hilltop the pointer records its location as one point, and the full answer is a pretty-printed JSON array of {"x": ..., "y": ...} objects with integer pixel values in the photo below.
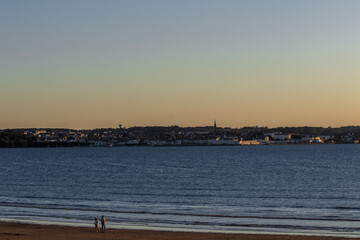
[{"x": 215, "y": 127}]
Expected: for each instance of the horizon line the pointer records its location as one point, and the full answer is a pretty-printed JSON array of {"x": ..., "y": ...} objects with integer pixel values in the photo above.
[{"x": 210, "y": 126}]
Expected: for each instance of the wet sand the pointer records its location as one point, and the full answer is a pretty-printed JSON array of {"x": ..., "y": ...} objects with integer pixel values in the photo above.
[{"x": 19, "y": 231}]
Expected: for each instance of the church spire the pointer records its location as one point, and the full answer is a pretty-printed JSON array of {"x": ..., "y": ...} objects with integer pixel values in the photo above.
[{"x": 215, "y": 126}]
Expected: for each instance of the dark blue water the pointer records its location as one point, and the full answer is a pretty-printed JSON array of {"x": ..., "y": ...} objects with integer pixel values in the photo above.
[{"x": 306, "y": 189}]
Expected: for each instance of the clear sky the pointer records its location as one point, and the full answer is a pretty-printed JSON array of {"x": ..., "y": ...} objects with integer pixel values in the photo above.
[{"x": 89, "y": 64}]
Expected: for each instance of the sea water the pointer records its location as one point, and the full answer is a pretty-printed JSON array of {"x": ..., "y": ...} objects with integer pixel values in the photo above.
[{"x": 295, "y": 189}]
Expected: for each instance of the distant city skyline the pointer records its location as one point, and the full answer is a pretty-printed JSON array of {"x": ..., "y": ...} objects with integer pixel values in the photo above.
[{"x": 94, "y": 64}]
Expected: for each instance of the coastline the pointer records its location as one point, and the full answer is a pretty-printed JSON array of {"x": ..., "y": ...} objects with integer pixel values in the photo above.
[
  {"x": 179, "y": 146},
  {"x": 13, "y": 230}
]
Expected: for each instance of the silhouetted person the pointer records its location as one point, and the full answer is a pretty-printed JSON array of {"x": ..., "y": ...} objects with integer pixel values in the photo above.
[
  {"x": 97, "y": 225},
  {"x": 103, "y": 224}
]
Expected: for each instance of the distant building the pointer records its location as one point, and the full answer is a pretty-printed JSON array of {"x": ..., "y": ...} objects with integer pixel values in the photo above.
[
  {"x": 316, "y": 140},
  {"x": 249, "y": 142},
  {"x": 215, "y": 130},
  {"x": 279, "y": 136},
  {"x": 219, "y": 141}
]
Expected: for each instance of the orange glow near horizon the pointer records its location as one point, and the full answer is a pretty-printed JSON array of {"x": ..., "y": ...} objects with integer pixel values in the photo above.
[{"x": 239, "y": 63}]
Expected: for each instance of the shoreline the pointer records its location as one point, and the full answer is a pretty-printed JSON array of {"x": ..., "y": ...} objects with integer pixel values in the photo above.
[
  {"x": 182, "y": 145},
  {"x": 16, "y": 230}
]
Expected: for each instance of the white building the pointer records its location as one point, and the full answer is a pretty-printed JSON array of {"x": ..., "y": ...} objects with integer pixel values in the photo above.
[{"x": 279, "y": 136}]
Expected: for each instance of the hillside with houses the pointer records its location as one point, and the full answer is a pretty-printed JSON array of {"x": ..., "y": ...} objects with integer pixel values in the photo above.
[{"x": 176, "y": 136}]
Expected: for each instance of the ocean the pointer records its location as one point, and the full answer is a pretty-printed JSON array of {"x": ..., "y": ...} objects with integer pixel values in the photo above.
[{"x": 295, "y": 189}]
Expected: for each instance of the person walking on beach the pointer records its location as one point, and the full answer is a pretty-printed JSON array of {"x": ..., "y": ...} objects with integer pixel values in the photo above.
[
  {"x": 103, "y": 224},
  {"x": 97, "y": 225}
]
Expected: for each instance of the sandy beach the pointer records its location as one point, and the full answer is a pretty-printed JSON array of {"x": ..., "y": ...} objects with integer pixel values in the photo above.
[{"x": 19, "y": 231}]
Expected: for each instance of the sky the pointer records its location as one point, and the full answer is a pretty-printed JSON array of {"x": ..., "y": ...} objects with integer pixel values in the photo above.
[{"x": 86, "y": 64}]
